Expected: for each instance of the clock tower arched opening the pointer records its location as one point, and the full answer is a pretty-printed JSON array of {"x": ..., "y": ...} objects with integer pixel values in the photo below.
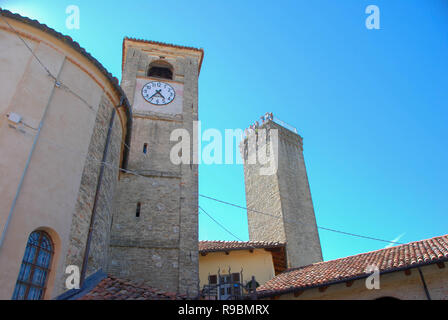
[{"x": 160, "y": 69}]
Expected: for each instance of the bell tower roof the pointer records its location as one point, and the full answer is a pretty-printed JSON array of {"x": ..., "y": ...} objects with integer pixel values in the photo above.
[{"x": 162, "y": 49}]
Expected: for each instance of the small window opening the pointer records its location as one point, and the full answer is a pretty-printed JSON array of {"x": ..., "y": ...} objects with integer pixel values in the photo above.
[
  {"x": 137, "y": 212},
  {"x": 161, "y": 69},
  {"x": 235, "y": 277},
  {"x": 160, "y": 72},
  {"x": 145, "y": 148},
  {"x": 213, "y": 279}
]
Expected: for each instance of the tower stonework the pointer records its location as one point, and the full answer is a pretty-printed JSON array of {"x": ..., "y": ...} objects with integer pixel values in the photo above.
[
  {"x": 282, "y": 199},
  {"x": 154, "y": 236}
]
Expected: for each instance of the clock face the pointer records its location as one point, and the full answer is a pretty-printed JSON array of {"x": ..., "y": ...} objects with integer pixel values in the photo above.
[{"x": 158, "y": 93}]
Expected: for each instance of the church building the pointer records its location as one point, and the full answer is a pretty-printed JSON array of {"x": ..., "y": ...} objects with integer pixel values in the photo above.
[{"x": 87, "y": 179}]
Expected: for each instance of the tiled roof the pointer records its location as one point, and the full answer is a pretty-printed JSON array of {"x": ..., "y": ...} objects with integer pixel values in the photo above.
[
  {"x": 320, "y": 274},
  {"x": 112, "y": 288},
  {"x": 215, "y": 246},
  {"x": 165, "y": 44}
]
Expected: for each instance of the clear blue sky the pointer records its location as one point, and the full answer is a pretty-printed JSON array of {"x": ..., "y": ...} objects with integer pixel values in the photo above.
[{"x": 370, "y": 104}]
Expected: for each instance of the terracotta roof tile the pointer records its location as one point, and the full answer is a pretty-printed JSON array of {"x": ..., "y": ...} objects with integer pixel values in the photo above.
[
  {"x": 215, "y": 246},
  {"x": 112, "y": 288},
  {"x": 164, "y": 44},
  {"x": 349, "y": 268}
]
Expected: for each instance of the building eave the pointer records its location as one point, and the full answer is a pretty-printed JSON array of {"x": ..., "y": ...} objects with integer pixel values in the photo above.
[{"x": 196, "y": 51}]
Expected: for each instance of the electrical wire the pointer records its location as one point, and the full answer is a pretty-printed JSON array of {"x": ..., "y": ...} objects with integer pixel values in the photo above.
[
  {"x": 111, "y": 165},
  {"x": 320, "y": 227},
  {"x": 222, "y": 226},
  {"x": 229, "y": 203},
  {"x": 29, "y": 48}
]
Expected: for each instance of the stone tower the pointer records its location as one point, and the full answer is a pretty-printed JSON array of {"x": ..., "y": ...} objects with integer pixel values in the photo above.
[
  {"x": 154, "y": 236},
  {"x": 284, "y": 194}
]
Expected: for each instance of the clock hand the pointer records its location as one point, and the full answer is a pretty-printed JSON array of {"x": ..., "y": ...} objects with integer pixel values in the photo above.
[{"x": 157, "y": 93}]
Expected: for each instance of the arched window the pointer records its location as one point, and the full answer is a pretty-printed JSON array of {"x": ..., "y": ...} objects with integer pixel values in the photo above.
[
  {"x": 160, "y": 69},
  {"x": 35, "y": 267}
]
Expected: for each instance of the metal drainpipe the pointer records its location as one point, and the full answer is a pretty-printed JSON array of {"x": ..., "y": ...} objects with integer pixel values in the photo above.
[
  {"x": 424, "y": 284},
  {"x": 28, "y": 161},
  {"x": 95, "y": 201}
]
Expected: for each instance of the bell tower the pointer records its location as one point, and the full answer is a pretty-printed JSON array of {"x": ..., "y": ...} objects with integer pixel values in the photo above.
[
  {"x": 154, "y": 236},
  {"x": 279, "y": 200}
]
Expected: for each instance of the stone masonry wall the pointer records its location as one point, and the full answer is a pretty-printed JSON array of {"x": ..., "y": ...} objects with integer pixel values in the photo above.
[
  {"x": 160, "y": 247},
  {"x": 189, "y": 228},
  {"x": 83, "y": 210},
  {"x": 98, "y": 256},
  {"x": 303, "y": 244},
  {"x": 286, "y": 197},
  {"x": 262, "y": 194}
]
